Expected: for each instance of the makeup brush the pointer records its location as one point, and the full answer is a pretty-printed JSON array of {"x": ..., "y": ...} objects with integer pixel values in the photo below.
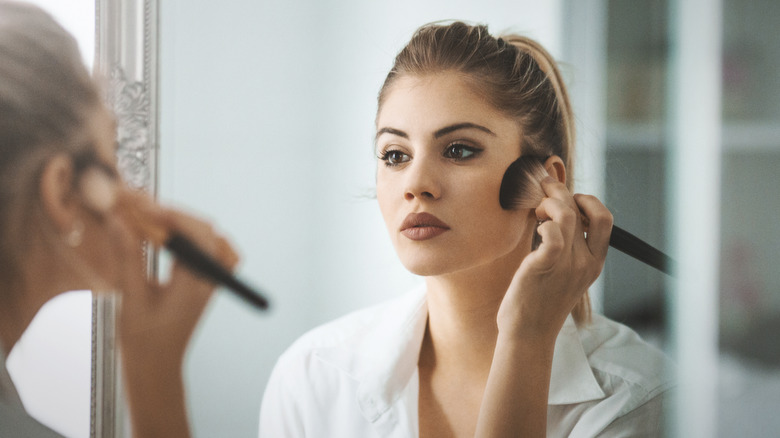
[
  {"x": 201, "y": 263},
  {"x": 521, "y": 188},
  {"x": 101, "y": 194},
  {"x": 198, "y": 261}
]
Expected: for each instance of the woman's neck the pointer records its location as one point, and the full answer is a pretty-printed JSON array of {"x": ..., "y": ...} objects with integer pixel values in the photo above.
[
  {"x": 24, "y": 295},
  {"x": 462, "y": 309},
  {"x": 16, "y": 313}
]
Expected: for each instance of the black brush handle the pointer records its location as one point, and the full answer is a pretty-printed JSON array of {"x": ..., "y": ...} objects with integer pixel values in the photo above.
[
  {"x": 201, "y": 263},
  {"x": 637, "y": 248}
]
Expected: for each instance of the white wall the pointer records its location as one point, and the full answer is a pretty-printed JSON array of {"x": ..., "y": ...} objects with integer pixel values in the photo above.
[{"x": 267, "y": 129}]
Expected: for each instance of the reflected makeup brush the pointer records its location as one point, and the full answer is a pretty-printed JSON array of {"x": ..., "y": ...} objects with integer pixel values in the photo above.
[
  {"x": 100, "y": 193},
  {"x": 521, "y": 188}
]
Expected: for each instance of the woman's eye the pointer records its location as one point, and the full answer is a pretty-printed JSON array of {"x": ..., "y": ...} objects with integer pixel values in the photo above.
[
  {"x": 394, "y": 157},
  {"x": 459, "y": 151}
]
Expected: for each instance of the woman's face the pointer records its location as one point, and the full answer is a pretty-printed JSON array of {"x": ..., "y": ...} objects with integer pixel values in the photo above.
[
  {"x": 443, "y": 151},
  {"x": 101, "y": 236}
]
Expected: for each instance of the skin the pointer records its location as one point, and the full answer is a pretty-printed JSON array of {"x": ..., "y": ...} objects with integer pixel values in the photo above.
[
  {"x": 156, "y": 321},
  {"x": 494, "y": 306}
]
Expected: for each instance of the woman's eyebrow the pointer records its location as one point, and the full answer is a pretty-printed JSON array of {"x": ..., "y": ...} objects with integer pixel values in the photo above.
[
  {"x": 440, "y": 133},
  {"x": 452, "y": 128},
  {"x": 392, "y": 131}
]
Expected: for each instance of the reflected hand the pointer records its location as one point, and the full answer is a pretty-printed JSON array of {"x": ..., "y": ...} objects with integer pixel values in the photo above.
[
  {"x": 157, "y": 320},
  {"x": 164, "y": 315}
]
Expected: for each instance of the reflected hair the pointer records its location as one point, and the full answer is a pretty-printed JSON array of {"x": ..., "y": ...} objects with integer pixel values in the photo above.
[
  {"x": 514, "y": 73},
  {"x": 46, "y": 98}
]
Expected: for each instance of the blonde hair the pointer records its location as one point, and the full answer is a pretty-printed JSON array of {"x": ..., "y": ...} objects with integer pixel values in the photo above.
[
  {"x": 46, "y": 98},
  {"x": 515, "y": 73}
]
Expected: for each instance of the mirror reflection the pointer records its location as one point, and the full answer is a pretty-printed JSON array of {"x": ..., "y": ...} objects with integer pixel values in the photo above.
[
  {"x": 50, "y": 364},
  {"x": 70, "y": 222}
]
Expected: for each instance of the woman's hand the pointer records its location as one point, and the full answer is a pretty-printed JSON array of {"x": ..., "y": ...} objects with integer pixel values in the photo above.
[
  {"x": 164, "y": 315},
  {"x": 552, "y": 279},
  {"x": 156, "y": 321},
  {"x": 544, "y": 290}
]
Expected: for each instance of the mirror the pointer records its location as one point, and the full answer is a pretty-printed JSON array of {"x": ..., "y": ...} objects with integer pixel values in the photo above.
[{"x": 126, "y": 58}]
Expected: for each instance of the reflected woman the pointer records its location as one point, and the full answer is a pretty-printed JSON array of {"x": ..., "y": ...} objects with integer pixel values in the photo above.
[
  {"x": 64, "y": 225},
  {"x": 500, "y": 340}
]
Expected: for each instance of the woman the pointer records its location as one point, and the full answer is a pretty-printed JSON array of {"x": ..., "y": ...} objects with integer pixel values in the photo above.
[
  {"x": 65, "y": 225},
  {"x": 500, "y": 340}
]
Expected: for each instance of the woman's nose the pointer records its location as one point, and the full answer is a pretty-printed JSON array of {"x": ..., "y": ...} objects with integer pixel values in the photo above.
[{"x": 423, "y": 181}]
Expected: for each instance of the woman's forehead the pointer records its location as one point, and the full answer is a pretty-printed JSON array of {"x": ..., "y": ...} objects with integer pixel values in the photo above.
[{"x": 433, "y": 101}]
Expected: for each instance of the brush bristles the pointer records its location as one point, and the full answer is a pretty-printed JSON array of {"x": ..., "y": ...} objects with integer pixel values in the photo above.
[{"x": 521, "y": 186}]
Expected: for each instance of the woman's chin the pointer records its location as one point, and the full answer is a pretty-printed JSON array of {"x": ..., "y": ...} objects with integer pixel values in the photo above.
[
  {"x": 422, "y": 271},
  {"x": 431, "y": 266}
]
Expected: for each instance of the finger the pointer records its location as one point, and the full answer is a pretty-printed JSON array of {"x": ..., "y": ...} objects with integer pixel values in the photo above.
[
  {"x": 559, "y": 212},
  {"x": 549, "y": 252},
  {"x": 556, "y": 189},
  {"x": 599, "y": 224},
  {"x": 203, "y": 235},
  {"x": 155, "y": 223},
  {"x": 184, "y": 287},
  {"x": 188, "y": 286},
  {"x": 145, "y": 217},
  {"x": 191, "y": 287},
  {"x": 226, "y": 254}
]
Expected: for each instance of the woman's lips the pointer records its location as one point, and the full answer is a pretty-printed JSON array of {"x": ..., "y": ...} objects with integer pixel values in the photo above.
[{"x": 422, "y": 226}]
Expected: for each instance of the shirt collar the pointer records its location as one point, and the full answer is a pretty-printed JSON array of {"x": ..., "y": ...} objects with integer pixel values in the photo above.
[
  {"x": 384, "y": 358},
  {"x": 7, "y": 388},
  {"x": 571, "y": 380}
]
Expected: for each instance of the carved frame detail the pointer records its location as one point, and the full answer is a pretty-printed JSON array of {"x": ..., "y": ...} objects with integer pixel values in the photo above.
[{"x": 126, "y": 61}]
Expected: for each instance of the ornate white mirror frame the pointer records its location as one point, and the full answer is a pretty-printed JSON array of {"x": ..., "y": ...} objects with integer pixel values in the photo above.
[{"x": 126, "y": 60}]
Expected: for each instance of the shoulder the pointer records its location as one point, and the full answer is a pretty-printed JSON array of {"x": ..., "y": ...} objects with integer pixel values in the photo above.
[
  {"x": 16, "y": 422},
  {"x": 614, "y": 350},
  {"x": 636, "y": 376},
  {"x": 631, "y": 378}
]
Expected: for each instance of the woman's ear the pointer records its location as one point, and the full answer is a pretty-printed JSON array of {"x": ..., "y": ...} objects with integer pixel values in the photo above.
[
  {"x": 555, "y": 167},
  {"x": 56, "y": 187}
]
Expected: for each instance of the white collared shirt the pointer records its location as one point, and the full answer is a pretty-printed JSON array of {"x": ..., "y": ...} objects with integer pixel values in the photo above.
[
  {"x": 357, "y": 377},
  {"x": 14, "y": 420}
]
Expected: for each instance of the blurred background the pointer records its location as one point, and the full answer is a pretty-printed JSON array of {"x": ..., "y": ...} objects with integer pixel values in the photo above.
[
  {"x": 637, "y": 166},
  {"x": 266, "y": 122}
]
